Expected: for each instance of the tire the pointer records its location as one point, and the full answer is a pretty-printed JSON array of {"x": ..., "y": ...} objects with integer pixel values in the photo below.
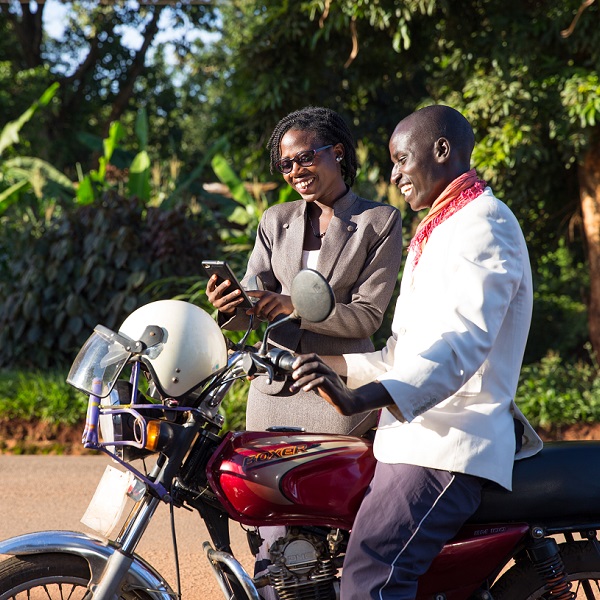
[
  {"x": 582, "y": 566},
  {"x": 48, "y": 577}
]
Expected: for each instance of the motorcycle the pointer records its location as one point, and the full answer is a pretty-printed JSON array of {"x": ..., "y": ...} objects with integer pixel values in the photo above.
[{"x": 155, "y": 388}]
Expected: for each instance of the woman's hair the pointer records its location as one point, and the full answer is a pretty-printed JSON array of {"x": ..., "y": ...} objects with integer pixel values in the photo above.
[{"x": 329, "y": 128}]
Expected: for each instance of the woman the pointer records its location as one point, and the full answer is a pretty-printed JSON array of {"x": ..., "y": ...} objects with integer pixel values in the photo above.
[{"x": 355, "y": 243}]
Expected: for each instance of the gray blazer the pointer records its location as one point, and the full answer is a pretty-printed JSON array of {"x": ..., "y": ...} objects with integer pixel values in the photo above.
[{"x": 360, "y": 257}]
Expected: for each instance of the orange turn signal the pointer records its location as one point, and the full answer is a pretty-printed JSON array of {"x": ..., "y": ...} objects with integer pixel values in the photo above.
[{"x": 152, "y": 435}]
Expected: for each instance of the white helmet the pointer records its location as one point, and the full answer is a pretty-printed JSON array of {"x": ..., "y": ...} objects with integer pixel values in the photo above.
[{"x": 191, "y": 350}]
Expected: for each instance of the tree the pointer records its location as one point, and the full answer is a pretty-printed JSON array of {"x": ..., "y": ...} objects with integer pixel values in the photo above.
[
  {"x": 101, "y": 77},
  {"x": 531, "y": 94}
]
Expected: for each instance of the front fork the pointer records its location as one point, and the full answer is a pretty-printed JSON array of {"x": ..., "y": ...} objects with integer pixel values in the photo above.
[{"x": 108, "y": 585}]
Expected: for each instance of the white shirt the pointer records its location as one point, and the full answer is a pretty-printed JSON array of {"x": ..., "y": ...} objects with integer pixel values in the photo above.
[
  {"x": 458, "y": 337},
  {"x": 310, "y": 259}
]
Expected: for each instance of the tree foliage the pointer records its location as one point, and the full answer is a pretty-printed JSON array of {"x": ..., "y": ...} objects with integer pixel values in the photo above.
[
  {"x": 101, "y": 77},
  {"x": 93, "y": 264},
  {"x": 532, "y": 95}
]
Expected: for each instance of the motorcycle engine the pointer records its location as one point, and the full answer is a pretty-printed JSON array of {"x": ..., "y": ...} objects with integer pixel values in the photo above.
[{"x": 302, "y": 567}]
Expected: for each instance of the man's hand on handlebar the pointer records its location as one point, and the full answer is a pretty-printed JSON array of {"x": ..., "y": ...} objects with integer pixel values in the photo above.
[{"x": 311, "y": 373}]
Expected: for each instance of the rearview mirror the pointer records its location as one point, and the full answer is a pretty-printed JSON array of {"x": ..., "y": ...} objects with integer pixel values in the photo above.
[{"x": 312, "y": 296}]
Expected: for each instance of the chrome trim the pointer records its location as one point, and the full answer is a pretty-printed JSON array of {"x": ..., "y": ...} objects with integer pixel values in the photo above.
[
  {"x": 215, "y": 557},
  {"x": 96, "y": 551}
]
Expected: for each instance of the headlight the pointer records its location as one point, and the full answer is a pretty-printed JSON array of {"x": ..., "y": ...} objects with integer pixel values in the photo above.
[{"x": 134, "y": 432}]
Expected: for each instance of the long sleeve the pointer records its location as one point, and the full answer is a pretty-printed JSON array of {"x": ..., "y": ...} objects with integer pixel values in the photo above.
[{"x": 360, "y": 257}]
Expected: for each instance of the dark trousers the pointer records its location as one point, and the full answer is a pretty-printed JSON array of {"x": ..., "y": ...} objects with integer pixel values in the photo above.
[{"x": 406, "y": 517}]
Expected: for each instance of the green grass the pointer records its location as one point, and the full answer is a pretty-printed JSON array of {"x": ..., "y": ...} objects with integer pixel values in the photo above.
[
  {"x": 551, "y": 393},
  {"x": 44, "y": 396},
  {"x": 47, "y": 398}
]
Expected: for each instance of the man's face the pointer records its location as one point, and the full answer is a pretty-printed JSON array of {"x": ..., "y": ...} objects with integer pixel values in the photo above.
[{"x": 416, "y": 172}]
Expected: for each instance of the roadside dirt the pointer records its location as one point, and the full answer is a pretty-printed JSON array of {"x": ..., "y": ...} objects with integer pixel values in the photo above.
[
  {"x": 20, "y": 436},
  {"x": 577, "y": 431},
  {"x": 31, "y": 437}
]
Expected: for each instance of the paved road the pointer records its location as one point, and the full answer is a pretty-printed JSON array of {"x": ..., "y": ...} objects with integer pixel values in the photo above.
[{"x": 40, "y": 493}]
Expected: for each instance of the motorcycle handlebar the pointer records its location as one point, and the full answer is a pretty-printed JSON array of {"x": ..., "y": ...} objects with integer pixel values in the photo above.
[
  {"x": 282, "y": 360},
  {"x": 274, "y": 362}
]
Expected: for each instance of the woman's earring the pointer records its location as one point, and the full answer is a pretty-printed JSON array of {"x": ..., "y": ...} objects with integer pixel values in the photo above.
[{"x": 339, "y": 158}]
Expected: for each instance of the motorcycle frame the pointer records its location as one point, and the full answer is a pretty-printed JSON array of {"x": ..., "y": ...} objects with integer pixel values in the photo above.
[{"x": 487, "y": 547}]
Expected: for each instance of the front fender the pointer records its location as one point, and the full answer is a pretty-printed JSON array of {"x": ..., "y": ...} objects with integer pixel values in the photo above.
[{"x": 95, "y": 551}]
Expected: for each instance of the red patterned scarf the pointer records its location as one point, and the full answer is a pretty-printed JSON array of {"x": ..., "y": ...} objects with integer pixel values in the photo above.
[{"x": 459, "y": 193}]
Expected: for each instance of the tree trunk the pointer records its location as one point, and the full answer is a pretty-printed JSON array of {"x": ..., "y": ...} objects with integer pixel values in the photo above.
[
  {"x": 29, "y": 31},
  {"x": 137, "y": 67},
  {"x": 589, "y": 185}
]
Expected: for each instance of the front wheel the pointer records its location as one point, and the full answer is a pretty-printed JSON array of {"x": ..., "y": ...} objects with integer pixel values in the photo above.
[
  {"x": 48, "y": 577},
  {"x": 582, "y": 566}
]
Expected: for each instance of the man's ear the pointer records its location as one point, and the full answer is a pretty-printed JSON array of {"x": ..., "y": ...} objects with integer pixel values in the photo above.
[{"x": 442, "y": 149}]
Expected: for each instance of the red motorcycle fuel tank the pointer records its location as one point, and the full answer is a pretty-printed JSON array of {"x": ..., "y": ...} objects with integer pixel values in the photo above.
[{"x": 277, "y": 478}]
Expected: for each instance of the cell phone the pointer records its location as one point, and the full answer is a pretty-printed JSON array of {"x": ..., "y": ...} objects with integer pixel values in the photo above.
[{"x": 223, "y": 272}]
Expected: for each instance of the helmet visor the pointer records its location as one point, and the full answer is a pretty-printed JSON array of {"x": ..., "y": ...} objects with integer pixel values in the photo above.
[{"x": 99, "y": 362}]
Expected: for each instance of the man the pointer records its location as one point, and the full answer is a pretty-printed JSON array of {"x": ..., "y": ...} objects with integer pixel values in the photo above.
[{"x": 448, "y": 374}]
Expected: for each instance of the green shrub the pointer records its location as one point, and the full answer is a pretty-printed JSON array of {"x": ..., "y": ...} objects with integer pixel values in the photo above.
[
  {"x": 47, "y": 397},
  {"x": 560, "y": 320},
  {"x": 91, "y": 264},
  {"x": 234, "y": 406},
  {"x": 41, "y": 414},
  {"x": 553, "y": 392},
  {"x": 43, "y": 396}
]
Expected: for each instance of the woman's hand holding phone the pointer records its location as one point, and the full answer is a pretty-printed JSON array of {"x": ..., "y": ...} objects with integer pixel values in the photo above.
[
  {"x": 223, "y": 290},
  {"x": 226, "y": 294},
  {"x": 221, "y": 297}
]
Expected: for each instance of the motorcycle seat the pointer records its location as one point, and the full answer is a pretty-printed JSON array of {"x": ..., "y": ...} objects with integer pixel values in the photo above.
[{"x": 560, "y": 483}]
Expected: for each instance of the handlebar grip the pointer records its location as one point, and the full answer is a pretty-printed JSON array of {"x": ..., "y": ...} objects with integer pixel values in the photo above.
[{"x": 282, "y": 360}]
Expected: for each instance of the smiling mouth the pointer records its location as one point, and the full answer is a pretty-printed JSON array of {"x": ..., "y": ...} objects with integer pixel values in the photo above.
[
  {"x": 406, "y": 188},
  {"x": 302, "y": 186}
]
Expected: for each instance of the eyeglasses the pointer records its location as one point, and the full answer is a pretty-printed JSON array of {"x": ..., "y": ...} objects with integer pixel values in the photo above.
[{"x": 305, "y": 158}]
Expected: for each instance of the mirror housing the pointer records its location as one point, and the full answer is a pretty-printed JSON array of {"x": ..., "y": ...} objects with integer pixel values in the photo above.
[{"x": 312, "y": 296}]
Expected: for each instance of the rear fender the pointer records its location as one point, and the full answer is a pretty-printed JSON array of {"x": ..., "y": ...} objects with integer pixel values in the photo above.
[{"x": 95, "y": 551}]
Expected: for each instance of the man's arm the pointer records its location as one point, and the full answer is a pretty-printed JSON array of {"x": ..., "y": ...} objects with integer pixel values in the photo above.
[{"x": 323, "y": 375}]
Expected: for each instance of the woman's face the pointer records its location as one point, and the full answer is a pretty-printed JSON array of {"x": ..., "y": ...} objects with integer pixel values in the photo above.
[{"x": 320, "y": 182}]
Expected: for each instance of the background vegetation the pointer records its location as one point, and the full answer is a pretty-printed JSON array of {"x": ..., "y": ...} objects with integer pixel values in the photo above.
[{"x": 133, "y": 139}]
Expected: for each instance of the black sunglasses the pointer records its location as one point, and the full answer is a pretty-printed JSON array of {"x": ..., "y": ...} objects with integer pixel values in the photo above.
[{"x": 305, "y": 158}]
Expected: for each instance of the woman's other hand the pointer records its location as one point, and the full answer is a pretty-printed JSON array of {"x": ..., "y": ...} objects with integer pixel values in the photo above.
[{"x": 270, "y": 305}]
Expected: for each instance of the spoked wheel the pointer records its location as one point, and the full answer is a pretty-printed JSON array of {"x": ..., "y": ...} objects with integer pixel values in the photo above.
[
  {"x": 47, "y": 577},
  {"x": 582, "y": 566}
]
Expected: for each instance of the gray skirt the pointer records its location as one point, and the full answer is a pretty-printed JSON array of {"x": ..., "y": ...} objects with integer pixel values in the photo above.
[{"x": 302, "y": 409}]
